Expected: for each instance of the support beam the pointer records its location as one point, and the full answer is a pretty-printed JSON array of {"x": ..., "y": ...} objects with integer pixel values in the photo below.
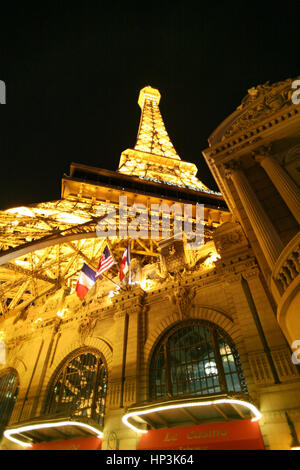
[
  {"x": 162, "y": 420},
  {"x": 221, "y": 412},
  {"x": 238, "y": 411},
  {"x": 189, "y": 415},
  {"x": 149, "y": 422}
]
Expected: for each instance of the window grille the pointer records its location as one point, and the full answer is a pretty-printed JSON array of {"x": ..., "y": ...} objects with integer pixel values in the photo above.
[
  {"x": 9, "y": 387},
  {"x": 79, "y": 389},
  {"x": 197, "y": 358}
]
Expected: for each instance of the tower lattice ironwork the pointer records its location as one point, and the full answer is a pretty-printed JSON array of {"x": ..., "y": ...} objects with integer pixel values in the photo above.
[{"x": 43, "y": 246}]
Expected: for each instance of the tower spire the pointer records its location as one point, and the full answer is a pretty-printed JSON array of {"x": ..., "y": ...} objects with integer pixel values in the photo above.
[
  {"x": 152, "y": 135},
  {"x": 154, "y": 158}
]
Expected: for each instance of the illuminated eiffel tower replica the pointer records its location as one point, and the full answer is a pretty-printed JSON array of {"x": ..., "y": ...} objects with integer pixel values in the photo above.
[
  {"x": 186, "y": 351},
  {"x": 43, "y": 246}
]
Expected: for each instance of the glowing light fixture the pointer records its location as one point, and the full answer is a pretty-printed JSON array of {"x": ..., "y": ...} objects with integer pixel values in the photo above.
[
  {"x": 147, "y": 284},
  {"x": 8, "y": 433},
  {"x": 62, "y": 313},
  {"x": 250, "y": 406},
  {"x": 22, "y": 263},
  {"x": 71, "y": 218},
  {"x": 210, "y": 262},
  {"x": 21, "y": 211},
  {"x": 210, "y": 368}
]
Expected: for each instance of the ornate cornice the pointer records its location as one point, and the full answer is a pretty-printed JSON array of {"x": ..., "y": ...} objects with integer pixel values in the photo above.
[
  {"x": 261, "y": 102},
  {"x": 230, "y": 167},
  {"x": 262, "y": 152},
  {"x": 251, "y": 273},
  {"x": 265, "y": 107}
]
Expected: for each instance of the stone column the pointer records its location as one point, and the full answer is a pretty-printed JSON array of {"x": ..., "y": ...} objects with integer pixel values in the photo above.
[
  {"x": 284, "y": 184},
  {"x": 116, "y": 380},
  {"x": 263, "y": 228},
  {"x": 256, "y": 365}
]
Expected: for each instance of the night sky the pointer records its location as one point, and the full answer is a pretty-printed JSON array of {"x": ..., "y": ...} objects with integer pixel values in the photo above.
[{"x": 73, "y": 73}]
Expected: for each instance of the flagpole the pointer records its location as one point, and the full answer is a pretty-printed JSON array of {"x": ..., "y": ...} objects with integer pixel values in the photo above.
[
  {"x": 129, "y": 251},
  {"x": 112, "y": 281}
]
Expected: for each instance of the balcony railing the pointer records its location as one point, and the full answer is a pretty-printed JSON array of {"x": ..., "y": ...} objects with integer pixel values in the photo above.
[{"x": 287, "y": 267}]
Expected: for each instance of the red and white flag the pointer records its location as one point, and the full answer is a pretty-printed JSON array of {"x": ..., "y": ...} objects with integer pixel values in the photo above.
[{"x": 125, "y": 264}]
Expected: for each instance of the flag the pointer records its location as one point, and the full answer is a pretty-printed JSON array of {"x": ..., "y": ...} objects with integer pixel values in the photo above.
[
  {"x": 125, "y": 263},
  {"x": 85, "y": 281},
  {"x": 106, "y": 262}
]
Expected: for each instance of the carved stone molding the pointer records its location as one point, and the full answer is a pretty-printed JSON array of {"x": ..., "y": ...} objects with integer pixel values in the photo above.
[
  {"x": 86, "y": 327},
  {"x": 229, "y": 239},
  {"x": 251, "y": 273},
  {"x": 262, "y": 152},
  {"x": 119, "y": 313},
  {"x": 284, "y": 365},
  {"x": 114, "y": 393},
  {"x": 230, "y": 167},
  {"x": 261, "y": 103},
  {"x": 112, "y": 441},
  {"x": 183, "y": 299},
  {"x": 172, "y": 256},
  {"x": 260, "y": 368},
  {"x": 233, "y": 278}
]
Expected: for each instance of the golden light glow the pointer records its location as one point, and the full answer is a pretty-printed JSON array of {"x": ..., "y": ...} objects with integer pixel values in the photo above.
[
  {"x": 210, "y": 262},
  {"x": 114, "y": 292},
  {"x": 147, "y": 284},
  {"x": 24, "y": 264},
  {"x": 55, "y": 215},
  {"x": 154, "y": 157},
  {"x": 71, "y": 218},
  {"x": 155, "y": 168},
  {"x": 8, "y": 433},
  {"x": 21, "y": 211},
  {"x": 250, "y": 406},
  {"x": 62, "y": 313},
  {"x": 2, "y": 335}
]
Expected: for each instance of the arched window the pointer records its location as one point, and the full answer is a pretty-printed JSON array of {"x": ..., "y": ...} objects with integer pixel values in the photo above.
[
  {"x": 79, "y": 387},
  {"x": 9, "y": 387},
  {"x": 197, "y": 358}
]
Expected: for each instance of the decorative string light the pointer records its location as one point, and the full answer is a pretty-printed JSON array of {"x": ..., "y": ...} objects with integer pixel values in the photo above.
[
  {"x": 8, "y": 433},
  {"x": 250, "y": 406}
]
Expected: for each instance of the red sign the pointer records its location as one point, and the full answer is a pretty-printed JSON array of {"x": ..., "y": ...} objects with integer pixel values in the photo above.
[
  {"x": 86, "y": 443},
  {"x": 233, "y": 435}
]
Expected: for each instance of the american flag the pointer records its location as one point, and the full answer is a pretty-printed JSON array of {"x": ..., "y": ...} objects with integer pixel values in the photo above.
[{"x": 106, "y": 262}]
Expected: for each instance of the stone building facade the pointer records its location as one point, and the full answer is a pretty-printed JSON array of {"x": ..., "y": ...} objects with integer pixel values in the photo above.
[{"x": 199, "y": 344}]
